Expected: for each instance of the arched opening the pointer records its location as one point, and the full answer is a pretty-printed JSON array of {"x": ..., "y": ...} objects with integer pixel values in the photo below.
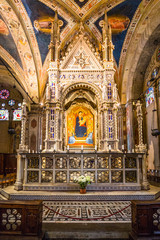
[{"x": 81, "y": 118}]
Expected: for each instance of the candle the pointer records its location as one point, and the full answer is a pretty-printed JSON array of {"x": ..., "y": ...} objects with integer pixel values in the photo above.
[
  {"x": 122, "y": 147},
  {"x": 109, "y": 147},
  {"x": 29, "y": 150},
  {"x": 133, "y": 150},
  {"x": 82, "y": 147},
  {"x": 40, "y": 147},
  {"x": 32, "y": 151},
  {"x": 96, "y": 147},
  {"x": 67, "y": 147}
]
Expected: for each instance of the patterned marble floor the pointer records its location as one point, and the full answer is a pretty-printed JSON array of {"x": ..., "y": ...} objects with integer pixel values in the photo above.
[{"x": 87, "y": 211}]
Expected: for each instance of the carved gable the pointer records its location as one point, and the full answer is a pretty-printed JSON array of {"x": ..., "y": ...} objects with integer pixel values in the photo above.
[{"x": 81, "y": 57}]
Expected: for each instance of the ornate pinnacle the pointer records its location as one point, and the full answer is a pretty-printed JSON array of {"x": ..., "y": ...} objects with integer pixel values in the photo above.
[{"x": 54, "y": 37}]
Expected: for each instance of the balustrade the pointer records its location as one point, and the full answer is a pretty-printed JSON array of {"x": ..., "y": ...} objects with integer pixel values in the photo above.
[{"x": 107, "y": 170}]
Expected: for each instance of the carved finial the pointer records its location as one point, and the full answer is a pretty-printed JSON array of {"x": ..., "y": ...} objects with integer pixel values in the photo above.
[{"x": 107, "y": 45}]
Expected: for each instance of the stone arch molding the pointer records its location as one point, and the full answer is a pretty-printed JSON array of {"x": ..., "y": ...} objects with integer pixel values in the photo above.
[
  {"x": 83, "y": 85},
  {"x": 148, "y": 23}
]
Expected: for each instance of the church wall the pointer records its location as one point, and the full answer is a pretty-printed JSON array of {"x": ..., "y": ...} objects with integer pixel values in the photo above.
[
  {"x": 9, "y": 142},
  {"x": 152, "y": 142},
  {"x": 152, "y": 119},
  {"x": 5, "y": 138}
]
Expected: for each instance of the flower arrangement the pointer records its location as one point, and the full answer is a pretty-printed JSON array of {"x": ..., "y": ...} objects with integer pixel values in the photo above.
[{"x": 83, "y": 181}]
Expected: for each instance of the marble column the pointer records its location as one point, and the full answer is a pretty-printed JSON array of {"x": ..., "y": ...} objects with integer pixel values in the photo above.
[
  {"x": 145, "y": 184},
  {"x": 19, "y": 180}
]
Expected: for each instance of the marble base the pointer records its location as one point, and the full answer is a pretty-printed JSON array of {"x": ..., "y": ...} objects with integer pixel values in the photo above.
[
  {"x": 75, "y": 187},
  {"x": 10, "y": 193}
]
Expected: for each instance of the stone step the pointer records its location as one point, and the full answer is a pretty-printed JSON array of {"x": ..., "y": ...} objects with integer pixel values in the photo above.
[{"x": 108, "y": 231}]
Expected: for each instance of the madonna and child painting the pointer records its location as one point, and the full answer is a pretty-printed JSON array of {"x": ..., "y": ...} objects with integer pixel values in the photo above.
[{"x": 80, "y": 127}]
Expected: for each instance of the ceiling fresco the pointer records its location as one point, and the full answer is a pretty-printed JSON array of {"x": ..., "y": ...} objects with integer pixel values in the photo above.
[
  {"x": 41, "y": 17},
  {"x": 119, "y": 18},
  {"x": 7, "y": 42},
  {"x": 28, "y": 46},
  {"x": 81, "y": 3}
]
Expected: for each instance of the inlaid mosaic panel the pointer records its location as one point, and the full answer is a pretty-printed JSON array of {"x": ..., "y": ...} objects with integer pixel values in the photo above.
[
  {"x": 61, "y": 162},
  {"x": 47, "y": 162},
  {"x": 102, "y": 162},
  {"x": 73, "y": 174},
  {"x": 86, "y": 211},
  {"x": 33, "y": 162},
  {"x": 89, "y": 162},
  {"x": 130, "y": 162},
  {"x": 47, "y": 176},
  {"x": 116, "y": 176},
  {"x": 11, "y": 219},
  {"x": 116, "y": 162},
  {"x": 131, "y": 176},
  {"x": 91, "y": 174},
  {"x": 156, "y": 220},
  {"x": 32, "y": 176},
  {"x": 61, "y": 176},
  {"x": 103, "y": 176},
  {"x": 75, "y": 162}
]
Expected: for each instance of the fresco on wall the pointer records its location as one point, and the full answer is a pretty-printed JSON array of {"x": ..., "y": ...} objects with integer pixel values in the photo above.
[
  {"x": 7, "y": 42},
  {"x": 41, "y": 17},
  {"x": 80, "y": 127},
  {"x": 119, "y": 17},
  {"x": 3, "y": 28}
]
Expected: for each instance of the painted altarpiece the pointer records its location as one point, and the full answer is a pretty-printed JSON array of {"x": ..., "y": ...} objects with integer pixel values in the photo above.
[{"x": 80, "y": 126}]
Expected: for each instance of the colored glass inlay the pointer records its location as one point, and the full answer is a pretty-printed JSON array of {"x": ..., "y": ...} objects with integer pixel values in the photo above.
[{"x": 4, "y": 94}]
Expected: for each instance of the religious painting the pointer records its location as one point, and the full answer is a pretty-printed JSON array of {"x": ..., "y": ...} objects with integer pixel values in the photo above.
[
  {"x": 119, "y": 18},
  {"x": 3, "y": 28},
  {"x": 149, "y": 96},
  {"x": 80, "y": 127},
  {"x": 118, "y": 23}
]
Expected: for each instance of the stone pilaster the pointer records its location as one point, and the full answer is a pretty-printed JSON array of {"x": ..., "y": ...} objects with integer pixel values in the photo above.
[
  {"x": 115, "y": 133},
  {"x": 129, "y": 125},
  {"x": 105, "y": 127},
  {"x": 121, "y": 115},
  {"x": 47, "y": 127}
]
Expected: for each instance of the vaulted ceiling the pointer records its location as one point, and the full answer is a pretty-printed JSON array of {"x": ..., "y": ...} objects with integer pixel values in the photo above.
[{"x": 25, "y": 34}]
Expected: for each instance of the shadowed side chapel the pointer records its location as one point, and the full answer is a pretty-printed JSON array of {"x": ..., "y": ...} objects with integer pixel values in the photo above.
[{"x": 80, "y": 101}]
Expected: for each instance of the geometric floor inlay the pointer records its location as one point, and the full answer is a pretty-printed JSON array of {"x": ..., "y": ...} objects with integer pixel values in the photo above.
[{"x": 87, "y": 211}]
